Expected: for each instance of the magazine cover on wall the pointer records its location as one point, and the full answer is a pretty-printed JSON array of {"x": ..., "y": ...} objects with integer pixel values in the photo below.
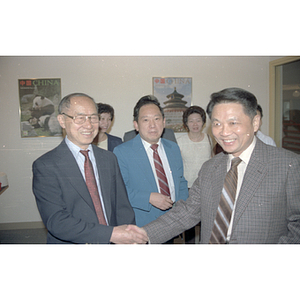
[
  {"x": 39, "y": 99},
  {"x": 175, "y": 96}
]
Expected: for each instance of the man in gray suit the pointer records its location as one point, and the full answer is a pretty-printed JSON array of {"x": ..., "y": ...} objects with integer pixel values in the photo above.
[
  {"x": 61, "y": 191},
  {"x": 266, "y": 208}
]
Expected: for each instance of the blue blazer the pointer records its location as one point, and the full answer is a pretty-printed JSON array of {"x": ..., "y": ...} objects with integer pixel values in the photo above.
[
  {"x": 112, "y": 142},
  {"x": 139, "y": 178}
]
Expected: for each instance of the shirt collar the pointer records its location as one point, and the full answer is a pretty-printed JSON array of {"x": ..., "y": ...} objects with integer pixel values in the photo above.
[
  {"x": 148, "y": 145},
  {"x": 74, "y": 148},
  {"x": 246, "y": 154}
]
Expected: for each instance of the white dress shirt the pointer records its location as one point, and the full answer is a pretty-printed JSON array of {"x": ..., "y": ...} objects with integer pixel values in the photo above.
[
  {"x": 264, "y": 138},
  {"x": 245, "y": 157},
  {"x": 80, "y": 161},
  {"x": 165, "y": 162}
]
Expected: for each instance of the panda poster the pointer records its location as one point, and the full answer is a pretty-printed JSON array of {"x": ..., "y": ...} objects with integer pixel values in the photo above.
[{"x": 39, "y": 99}]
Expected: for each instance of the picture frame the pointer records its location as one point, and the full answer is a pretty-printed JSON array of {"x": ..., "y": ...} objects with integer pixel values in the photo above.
[
  {"x": 39, "y": 99},
  {"x": 175, "y": 96}
]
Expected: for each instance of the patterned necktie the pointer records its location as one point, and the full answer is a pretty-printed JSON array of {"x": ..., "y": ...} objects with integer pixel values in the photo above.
[
  {"x": 162, "y": 179},
  {"x": 226, "y": 204},
  {"x": 92, "y": 186}
]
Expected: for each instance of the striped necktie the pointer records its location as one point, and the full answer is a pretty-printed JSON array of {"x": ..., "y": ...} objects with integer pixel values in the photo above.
[
  {"x": 92, "y": 186},
  {"x": 226, "y": 204},
  {"x": 162, "y": 179}
]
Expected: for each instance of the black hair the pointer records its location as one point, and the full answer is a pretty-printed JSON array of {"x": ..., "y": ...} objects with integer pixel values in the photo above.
[
  {"x": 193, "y": 110},
  {"x": 235, "y": 95},
  {"x": 106, "y": 108},
  {"x": 260, "y": 110},
  {"x": 149, "y": 99}
]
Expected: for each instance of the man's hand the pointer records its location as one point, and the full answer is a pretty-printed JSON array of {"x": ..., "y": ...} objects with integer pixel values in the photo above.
[
  {"x": 129, "y": 234},
  {"x": 160, "y": 201}
]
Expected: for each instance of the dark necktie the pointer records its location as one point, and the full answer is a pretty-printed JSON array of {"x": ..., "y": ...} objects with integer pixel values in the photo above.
[
  {"x": 162, "y": 179},
  {"x": 226, "y": 204},
  {"x": 92, "y": 186}
]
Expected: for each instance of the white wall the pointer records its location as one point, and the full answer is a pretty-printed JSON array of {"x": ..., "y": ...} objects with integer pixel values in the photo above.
[{"x": 119, "y": 81}]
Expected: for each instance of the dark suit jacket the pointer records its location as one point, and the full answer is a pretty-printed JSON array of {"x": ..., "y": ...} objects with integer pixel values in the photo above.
[
  {"x": 139, "y": 178},
  {"x": 64, "y": 201},
  {"x": 168, "y": 134},
  {"x": 267, "y": 208},
  {"x": 113, "y": 141}
]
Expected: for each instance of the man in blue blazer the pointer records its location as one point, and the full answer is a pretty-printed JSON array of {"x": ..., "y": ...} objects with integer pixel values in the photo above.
[
  {"x": 135, "y": 159},
  {"x": 60, "y": 189}
]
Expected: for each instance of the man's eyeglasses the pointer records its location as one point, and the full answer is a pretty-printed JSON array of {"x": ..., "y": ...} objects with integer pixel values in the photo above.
[{"x": 80, "y": 119}]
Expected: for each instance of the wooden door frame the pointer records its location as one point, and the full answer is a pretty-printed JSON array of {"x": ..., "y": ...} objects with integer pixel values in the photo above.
[{"x": 275, "y": 104}]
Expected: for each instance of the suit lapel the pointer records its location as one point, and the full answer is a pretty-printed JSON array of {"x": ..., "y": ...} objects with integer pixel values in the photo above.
[
  {"x": 255, "y": 172},
  {"x": 142, "y": 161},
  {"x": 69, "y": 170},
  {"x": 172, "y": 164}
]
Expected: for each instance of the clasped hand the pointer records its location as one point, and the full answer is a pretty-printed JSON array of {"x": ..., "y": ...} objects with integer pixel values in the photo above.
[
  {"x": 129, "y": 234},
  {"x": 160, "y": 201}
]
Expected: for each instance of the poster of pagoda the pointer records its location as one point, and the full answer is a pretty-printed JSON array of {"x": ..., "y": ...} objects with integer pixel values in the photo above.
[{"x": 175, "y": 96}]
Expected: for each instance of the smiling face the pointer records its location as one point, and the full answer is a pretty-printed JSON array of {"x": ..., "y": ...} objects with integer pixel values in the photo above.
[
  {"x": 80, "y": 134},
  {"x": 194, "y": 123},
  {"x": 232, "y": 128},
  {"x": 150, "y": 124},
  {"x": 105, "y": 122}
]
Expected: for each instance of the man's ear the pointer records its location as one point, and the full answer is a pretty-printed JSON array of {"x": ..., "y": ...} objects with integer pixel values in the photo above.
[
  {"x": 256, "y": 123},
  {"x": 61, "y": 121},
  {"x": 136, "y": 125}
]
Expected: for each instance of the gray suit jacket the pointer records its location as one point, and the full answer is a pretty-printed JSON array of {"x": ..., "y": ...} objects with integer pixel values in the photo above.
[
  {"x": 267, "y": 208},
  {"x": 65, "y": 204}
]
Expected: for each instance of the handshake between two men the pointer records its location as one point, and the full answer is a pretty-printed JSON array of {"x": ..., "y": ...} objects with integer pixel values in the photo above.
[{"x": 129, "y": 234}]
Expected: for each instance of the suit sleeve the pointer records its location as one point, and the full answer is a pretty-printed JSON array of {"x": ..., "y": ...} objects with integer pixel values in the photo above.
[
  {"x": 184, "y": 215},
  {"x": 293, "y": 203}
]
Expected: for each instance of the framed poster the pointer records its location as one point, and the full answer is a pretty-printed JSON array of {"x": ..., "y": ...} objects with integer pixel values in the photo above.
[
  {"x": 39, "y": 99},
  {"x": 175, "y": 96}
]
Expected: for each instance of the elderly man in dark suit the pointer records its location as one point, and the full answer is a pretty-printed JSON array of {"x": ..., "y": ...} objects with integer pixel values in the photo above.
[
  {"x": 80, "y": 194},
  {"x": 262, "y": 204}
]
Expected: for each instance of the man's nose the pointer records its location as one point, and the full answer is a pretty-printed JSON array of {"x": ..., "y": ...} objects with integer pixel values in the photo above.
[
  {"x": 88, "y": 123},
  {"x": 225, "y": 130},
  {"x": 152, "y": 123}
]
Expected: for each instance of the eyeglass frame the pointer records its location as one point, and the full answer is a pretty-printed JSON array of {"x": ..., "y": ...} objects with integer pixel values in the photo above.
[{"x": 86, "y": 117}]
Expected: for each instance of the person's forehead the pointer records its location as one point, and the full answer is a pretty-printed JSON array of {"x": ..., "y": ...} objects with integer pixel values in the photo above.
[
  {"x": 227, "y": 107},
  {"x": 82, "y": 102},
  {"x": 194, "y": 116},
  {"x": 149, "y": 109},
  {"x": 105, "y": 115},
  {"x": 78, "y": 99}
]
